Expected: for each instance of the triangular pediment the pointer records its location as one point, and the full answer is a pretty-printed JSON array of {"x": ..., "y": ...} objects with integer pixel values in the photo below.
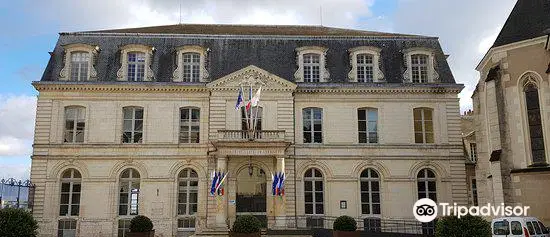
[{"x": 252, "y": 75}]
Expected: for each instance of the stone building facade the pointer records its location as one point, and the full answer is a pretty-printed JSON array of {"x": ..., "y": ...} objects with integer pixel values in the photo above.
[
  {"x": 134, "y": 121},
  {"x": 511, "y": 113}
]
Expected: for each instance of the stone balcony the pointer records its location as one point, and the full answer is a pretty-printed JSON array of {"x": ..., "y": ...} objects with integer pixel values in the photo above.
[{"x": 251, "y": 143}]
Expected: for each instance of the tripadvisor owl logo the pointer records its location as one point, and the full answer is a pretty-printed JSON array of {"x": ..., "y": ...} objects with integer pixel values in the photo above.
[{"x": 425, "y": 210}]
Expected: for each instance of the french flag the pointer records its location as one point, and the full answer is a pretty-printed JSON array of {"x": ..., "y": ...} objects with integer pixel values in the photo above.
[
  {"x": 214, "y": 182},
  {"x": 275, "y": 179}
]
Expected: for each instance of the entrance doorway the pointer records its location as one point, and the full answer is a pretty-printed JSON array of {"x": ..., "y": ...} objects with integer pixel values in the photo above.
[{"x": 251, "y": 193}]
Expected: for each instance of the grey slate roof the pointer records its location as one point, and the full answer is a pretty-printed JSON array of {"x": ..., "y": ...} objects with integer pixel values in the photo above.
[
  {"x": 229, "y": 53},
  {"x": 529, "y": 19}
]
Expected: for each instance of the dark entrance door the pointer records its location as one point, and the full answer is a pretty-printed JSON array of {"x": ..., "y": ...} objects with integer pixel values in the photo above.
[{"x": 251, "y": 193}]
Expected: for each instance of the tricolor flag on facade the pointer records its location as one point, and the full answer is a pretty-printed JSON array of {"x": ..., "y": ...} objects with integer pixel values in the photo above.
[
  {"x": 254, "y": 101},
  {"x": 217, "y": 183},
  {"x": 240, "y": 101},
  {"x": 277, "y": 188}
]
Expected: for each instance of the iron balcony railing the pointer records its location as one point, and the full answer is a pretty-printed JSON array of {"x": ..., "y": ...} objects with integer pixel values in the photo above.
[{"x": 246, "y": 135}]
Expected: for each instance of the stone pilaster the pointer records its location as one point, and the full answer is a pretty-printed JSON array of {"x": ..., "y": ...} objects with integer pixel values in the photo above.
[
  {"x": 279, "y": 201},
  {"x": 221, "y": 201}
]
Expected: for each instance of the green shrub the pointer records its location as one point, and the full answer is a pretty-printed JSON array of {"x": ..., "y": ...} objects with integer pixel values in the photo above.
[
  {"x": 345, "y": 223},
  {"x": 452, "y": 226},
  {"x": 246, "y": 224},
  {"x": 17, "y": 223},
  {"x": 141, "y": 224}
]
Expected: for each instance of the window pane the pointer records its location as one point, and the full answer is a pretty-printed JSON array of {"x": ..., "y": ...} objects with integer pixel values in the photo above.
[
  {"x": 319, "y": 208},
  {"x": 318, "y": 196},
  {"x": 375, "y": 186},
  {"x": 309, "y": 208},
  {"x": 308, "y": 197},
  {"x": 318, "y": 185}
]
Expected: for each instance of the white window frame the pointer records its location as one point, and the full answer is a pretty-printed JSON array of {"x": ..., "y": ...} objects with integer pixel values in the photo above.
[
  {"x": 177, "y": 75},
  {"x": 532, "y": 78},
  {"x": 378, "y": 75},
  {"x": 188, "y": 189},
  {"x": 312, "y": 179},
  {"x": 129, "y": 182},
  {"x": 312, "y": 121},
  {"x": 79, "y": 110},
  {"x": 324, "y": 75},
  {"x": 92, "y": 50},
  {"x": 474, "y": 191},
  {"x": 426, "y": 179},
  {"x": 122, "y": 73},
  {"x": 369, "y": 179},
  {"x": 72, "y": 181},
  {"x": 67, "y": 221},
  {"x": 125, "y": 228},
  {"x": 423, "y": 121},
  {"x": 189, "y": 122},
  {"x": 473, "y": 152},
  {"x": 366, "y": 121},
  {"x": 133, "y": 119},
  {"x": 432, "y": 74}
]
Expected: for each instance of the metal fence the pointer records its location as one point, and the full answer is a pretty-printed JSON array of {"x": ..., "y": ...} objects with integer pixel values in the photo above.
[
  {"x": 16, "y": 194},
  {"x": 397, "y": 227}
]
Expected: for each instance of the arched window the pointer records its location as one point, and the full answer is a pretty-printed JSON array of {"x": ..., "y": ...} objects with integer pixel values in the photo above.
[
  {"x": 313, "y": 125},
  {"x": 128, "y": 201},
  {"x": 423, "y": 125},
  {"x": 367, "y": 119},
  {"x": 191, "y": 67},
  {"x": 189, "y": 125},
  {"x": 188, "y": 189},
  {"x": 370, "y": 192},
  {"x": 313, "y": 192},
  {"x": 129, "y": 192},
  {"x": 536, "y": 132},
  {"x": 132, "y": 125},
  {"x": 426, "y": 184},
  {"x": 75, "y": 122},
  {"x": 69, "y": 203}
]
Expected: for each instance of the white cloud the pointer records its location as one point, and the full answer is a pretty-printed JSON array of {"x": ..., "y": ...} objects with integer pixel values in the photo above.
[
  {"x": 16, "y": 171},
  {"x": 17, "y": 115}
]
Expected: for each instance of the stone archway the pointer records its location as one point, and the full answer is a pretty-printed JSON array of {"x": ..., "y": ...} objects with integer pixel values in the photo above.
[{"x": 251, "y": 193}]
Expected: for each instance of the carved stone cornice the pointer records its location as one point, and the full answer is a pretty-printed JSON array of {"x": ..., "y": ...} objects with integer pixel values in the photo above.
[{"x": 117, "y": 87}]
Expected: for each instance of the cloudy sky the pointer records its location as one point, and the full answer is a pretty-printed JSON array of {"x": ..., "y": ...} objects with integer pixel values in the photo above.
[{"x": 466, "y": 28}]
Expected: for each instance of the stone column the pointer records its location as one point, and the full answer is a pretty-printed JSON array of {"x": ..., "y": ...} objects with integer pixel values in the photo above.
[
  {"x": 279, "y": 201},
  {"x": 221, "y": 201}
]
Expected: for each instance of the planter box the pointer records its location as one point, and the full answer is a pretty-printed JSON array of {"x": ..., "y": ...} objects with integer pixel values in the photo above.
[
  {"x": 141, "y": 234},
  {"x": 337, "y": 233},
  {"x": 233, "y": 234}
]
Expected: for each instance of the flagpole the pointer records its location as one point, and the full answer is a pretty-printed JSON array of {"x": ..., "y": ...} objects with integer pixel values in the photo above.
[
  {"x": 250, "y": 129},
  {"x": 246, "y": 115}
]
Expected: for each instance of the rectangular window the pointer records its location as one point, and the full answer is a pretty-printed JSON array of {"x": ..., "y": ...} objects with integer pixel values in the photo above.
[
  {"x": 69, "y": 204},
  {"x": 313, "y": 122},
  {"x": 74, "y": 124},
  {"x": 423, "y": 125},
  {"x": 128, "y": 198},
  {"x": 365, "y": 68},
  {"x": 419, "y": 68},
  {"x": 79, "y": 66},
  {"x": 312, "y": 67},
  {"x": 66, "y": 228},
  {"x": 473, "y": 152},
  {"x": 132, "y": 125},
  {"x": 254, "y": 116},
  {"x": 474, "y": 192},
  {"x": 123, "y": 227},
  {"x": 186, "y": 222},
  {"x": 368, "y": 125},
  {"x": 501, "y": 228},
  {"x": 189, "y": 125},
  {"x": 191, "y": 67},
  {"x": 136, "y": 66}
]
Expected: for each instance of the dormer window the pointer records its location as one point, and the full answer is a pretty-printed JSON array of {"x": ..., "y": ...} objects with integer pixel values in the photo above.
[
  {"x": 136, "y": 66},
  {"x": 136, "y": 63},
  {"x": 421, "y": 66},
  {"x": 191, "y": 60},
  {"x": 311, "y": 64},
  {"x": 364, "y": 63},
  {"x": 311, "y": 67},
  {"x": 79, "y": 65}
]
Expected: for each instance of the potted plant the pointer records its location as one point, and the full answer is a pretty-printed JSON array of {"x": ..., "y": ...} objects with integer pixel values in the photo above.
[
  {"x": 345, "y": 226},
  {"x": 246, "y": 226},
  {"x": 141, "y": 226}
]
